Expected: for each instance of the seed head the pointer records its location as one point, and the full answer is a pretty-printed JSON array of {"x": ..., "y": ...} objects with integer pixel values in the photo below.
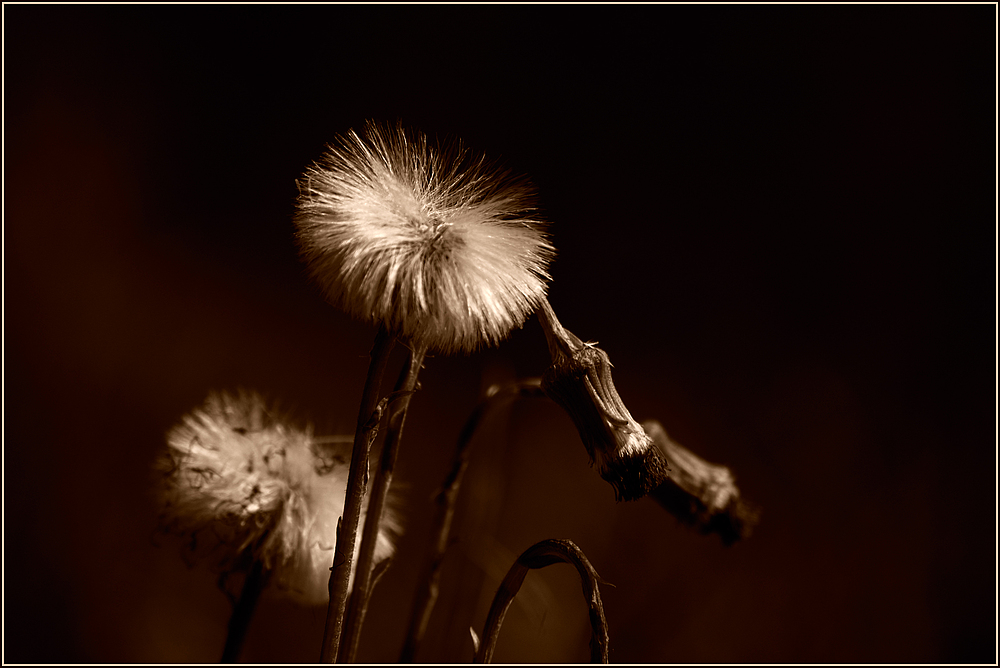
[
  {"x": 434, "y": 242},
  {"x": 256, "y": 488}
]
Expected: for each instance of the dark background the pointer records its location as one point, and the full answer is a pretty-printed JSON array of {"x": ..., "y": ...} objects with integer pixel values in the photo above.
[{"x": 778, "y": 220}]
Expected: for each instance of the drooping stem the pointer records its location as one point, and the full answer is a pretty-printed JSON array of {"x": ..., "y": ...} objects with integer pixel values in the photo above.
[
  {"x": 243, "y": 610},
  {"x": 579, "y": 380},
  {"x": 540, "y": 555},
  {"x": 369, "y": 415},
  {"x": 701, "y": 494},
  {"x": 444, "y": 512},
  {"x": 363, "y": 583}
]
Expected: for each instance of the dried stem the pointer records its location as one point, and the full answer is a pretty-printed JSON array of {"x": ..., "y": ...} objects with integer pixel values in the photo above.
[
  {"x": 369, "y": 415},
  {"x": 579, "y": 380},
  {"x": 701, "y": 494},
  {"x": 239, "y": 622},
  {"x": 363, "y": 583},
  {"x": 540, "y": 555},
  {"x": 444, "y": 504}
]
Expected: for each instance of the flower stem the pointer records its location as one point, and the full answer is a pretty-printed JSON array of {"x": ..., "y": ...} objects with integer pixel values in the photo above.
[
  {"x": 540, "y": 555},
  {"x": 357, "y": 481},
  {"x": 239, "y": 622},
  {"x": 363, "y": 584},
  {"x": 445, "y": 502},
  {"x": 579, "y": 380}
]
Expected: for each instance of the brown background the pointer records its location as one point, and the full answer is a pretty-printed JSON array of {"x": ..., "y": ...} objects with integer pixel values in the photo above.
[{"x": 779, "y": 222}]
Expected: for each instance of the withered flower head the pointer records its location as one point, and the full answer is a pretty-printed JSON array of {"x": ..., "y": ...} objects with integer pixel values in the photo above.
[
  {"x": 579, "y": 380},
  {"x": 432, "y": 241},
  {"x": 255, "y": 488},
  {"x": 702, "y": 494}
]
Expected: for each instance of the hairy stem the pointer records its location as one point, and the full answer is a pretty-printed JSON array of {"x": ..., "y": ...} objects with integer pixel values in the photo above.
[
  {"x": 444, "y": 512},
  {"x": 363, "y": 583},
  {"x": 357, "y": 481}
]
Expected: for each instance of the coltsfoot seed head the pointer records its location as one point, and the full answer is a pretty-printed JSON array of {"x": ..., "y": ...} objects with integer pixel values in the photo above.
[
  {"x": 249, "y": 483},
  {"x": 433, "y": 242}
]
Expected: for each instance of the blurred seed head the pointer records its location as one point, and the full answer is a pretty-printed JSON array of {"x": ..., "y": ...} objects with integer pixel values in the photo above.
[
  {"x": 242, "y": 484},
  {"x": 432, "y": 241}
]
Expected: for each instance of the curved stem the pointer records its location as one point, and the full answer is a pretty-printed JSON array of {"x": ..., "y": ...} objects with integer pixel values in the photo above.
[
  {"x": 444, "y": 503},
  {"x": 540, "y": 555},
  {"x": 239, "y": 622},
  {"x": 357, "y": 480},
  {"x": 363, "y": 583},
  {"x": 579, "y": 380}
]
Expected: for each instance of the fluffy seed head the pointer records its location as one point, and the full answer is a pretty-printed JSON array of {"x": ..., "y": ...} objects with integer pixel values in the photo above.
[
  {"x": 431, "y": 241},
  {"x": 246, "y": 484}
]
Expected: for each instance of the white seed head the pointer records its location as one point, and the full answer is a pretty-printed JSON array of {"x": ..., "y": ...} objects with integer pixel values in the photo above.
[
  {"x": 248, "y": 483},
  {"x": 431, "y": 241}
]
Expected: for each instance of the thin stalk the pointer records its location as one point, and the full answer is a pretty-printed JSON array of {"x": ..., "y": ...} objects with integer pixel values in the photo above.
[
  {"x": 444, "y": 513},
  {"x": 369, "y": 415},
  {"x": 540, "y": 555},
  {"x": 243, "y": 610},
  {"x": 363, "y": 584}
]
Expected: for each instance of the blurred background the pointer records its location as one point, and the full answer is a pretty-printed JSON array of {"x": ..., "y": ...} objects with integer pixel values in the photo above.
[{"x": 779, "y": 221}]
